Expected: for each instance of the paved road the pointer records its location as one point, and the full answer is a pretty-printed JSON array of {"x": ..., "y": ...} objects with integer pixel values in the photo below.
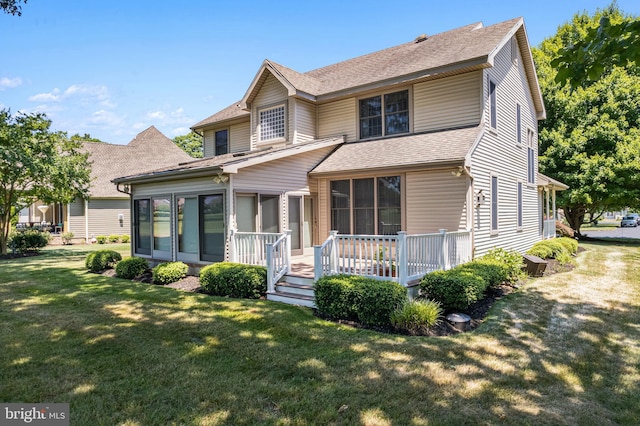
[{"x": 617, "y": 233}]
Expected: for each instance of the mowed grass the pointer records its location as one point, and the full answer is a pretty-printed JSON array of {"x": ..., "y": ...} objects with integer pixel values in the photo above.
[{"x": 564, "y": 349}]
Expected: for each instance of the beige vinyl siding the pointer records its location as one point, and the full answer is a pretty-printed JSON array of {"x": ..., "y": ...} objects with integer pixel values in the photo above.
[
  {"x": 283, "y": 175},
  {"x": 271, "y": 93},
  {"x": 305, "y": 121},
  {"x": 448, "y": 102},
  {"x": 76, "y": 219},
  {"x": 500, "y": 155},
  {"x": 337, "y": 119},
  {"x": 436, "y": 200},
  {"x": 323, "y": 210},
  {"x": 202, "y": 185},
  {"x": 209, "y": 143},
  {"x": 240, "y": 137},
  {"x": 103, "y": 217}
]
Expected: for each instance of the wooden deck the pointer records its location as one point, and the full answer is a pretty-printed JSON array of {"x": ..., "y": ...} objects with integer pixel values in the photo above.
[{"x": 302, "y": 266}]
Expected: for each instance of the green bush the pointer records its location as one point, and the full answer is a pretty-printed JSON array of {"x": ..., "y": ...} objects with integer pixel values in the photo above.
[
  {"x": 124, "y": 239},
  {"x": 66, "y": 238},
  {"x": 169, "y": 272},
  {"x": 131, "y": 267},
  {"x": 511, "y": 259},
  {"x": 100, "y": 260},
  {"x": 416, "y": 317},
  {"x": 101, "y": 239},
  {"x": 30, "y": 241},
  {"x": 557, "y": 248},
  {"x": 351, "y": 297},
  {"x": 113, "y": 238},
  {"x": 492, "y": 271},
  {"x": 455, "y": 289},
  {"x": 234, "y": 280},
  {"x": 541, "y": 250},
  {"x": 335, "y": 297},
  {"x": 570, "y": 244}
]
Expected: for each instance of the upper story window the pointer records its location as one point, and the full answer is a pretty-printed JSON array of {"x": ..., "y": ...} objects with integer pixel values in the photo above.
[
  {"x": 222, "y": 142},
  {"x": 518, "y": 124},
  {"x": 493, "y": 105},
  {"x": 384, "y": 115},
  {"x": 272, "y": 123},
  {"x": 531, "y": 157}
]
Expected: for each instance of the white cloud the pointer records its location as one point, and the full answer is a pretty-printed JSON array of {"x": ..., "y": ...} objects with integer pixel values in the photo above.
[
  {"x": 156, "y": 115},
  {"x": 179, "y": 131},
  {"x": 100, "y": 93},
  {"x": 105, "y": 118},
  {"x": 9, "y": 83},
  {"x": 53, "y": 96}
]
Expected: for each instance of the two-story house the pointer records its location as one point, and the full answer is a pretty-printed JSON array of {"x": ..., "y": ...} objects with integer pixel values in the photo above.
[{"x": 439, "y": 133}]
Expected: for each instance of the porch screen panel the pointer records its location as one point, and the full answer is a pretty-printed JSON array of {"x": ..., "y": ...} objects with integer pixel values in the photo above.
[
  {"x": 270, "y": 212},
  {"x": 161, "y": 224},
  {"x": 363, "y": 206},
  {"x": 389, "y": 213},
  {"x": 188, "y": 225},
  {"x": 212, "y": 236},
  {"x": 142, "y": 226},
  {"x": 340, "y": 206},
  {"x": 246, "y": 213}
]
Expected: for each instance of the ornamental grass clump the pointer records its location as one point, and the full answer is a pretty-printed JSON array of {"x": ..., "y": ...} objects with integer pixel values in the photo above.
[
  {"x": 169, "y": 272},
  {"x": 131, "y": 267},
  {"x": 416, "y": 317}
]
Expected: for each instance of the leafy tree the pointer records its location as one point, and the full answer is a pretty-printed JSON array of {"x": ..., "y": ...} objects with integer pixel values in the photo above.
[
  {"x": 85, "y": 138},
  {"x": 591, "y": 137},
  {"x": 12, "y": 7},
  {"x": 190, "y": 143},
  {"x": 36, "y": 164}
]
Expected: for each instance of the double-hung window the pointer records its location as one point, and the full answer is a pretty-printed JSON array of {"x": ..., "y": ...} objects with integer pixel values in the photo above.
[
  {"x": 519, "y": 205},
  {"x": 272, "y": 123},
  {"x": 367, "y": 206},
  {"x": 384, "y": 115},
  {"x": 493, "y": 106},
  {"x": 494, "y": 203},
  {"x": 222, "y": 142},
  {"x": 518, "y": 124}
]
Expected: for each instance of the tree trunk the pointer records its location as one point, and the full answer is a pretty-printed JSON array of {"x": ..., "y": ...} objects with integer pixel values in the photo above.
[{"x": 575, "y": 217}]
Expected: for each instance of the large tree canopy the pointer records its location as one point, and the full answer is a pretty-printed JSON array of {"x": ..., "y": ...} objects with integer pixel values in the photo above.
[
  {"x": 591, "y": 137},
  {"x": 12, "y": 7},
  {"x": 190, "y": 143},
  {"x": 36, "y": 164}
]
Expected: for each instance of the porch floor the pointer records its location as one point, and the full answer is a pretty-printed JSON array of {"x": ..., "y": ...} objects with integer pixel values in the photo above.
[{"x": 302, "y": 266}]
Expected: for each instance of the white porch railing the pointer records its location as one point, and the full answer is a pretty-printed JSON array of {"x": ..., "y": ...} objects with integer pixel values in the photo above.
[
  {"x": 402, "y": 258},
  {"x": 549, "y": 229},
  {"x": 271, "y": 250}
]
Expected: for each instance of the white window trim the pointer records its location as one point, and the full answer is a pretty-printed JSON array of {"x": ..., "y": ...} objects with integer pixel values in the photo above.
[
  {"x": 492, "y": 114},
  {"x": 531, "y": 144},
  {"x": 258, "y": 124},
  {"x": 381, "y": 94},
  {"x": 518, "y": 124},
  {"x": 519, "y": 205}
]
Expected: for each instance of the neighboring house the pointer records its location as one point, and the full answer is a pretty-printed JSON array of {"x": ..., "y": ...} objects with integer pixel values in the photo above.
[
  {"x": 436, "y": 134},
  {"x": 107, "y": 211}
]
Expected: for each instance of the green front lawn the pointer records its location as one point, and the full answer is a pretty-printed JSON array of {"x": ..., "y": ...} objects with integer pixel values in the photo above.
[{"x": 564, "y": 349}]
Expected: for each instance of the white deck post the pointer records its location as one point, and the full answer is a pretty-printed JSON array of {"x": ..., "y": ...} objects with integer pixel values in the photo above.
[
  {"x": 317, "y": 263},
  {"x": 443, "y": 250},
  {"x": 333, "y": 258},
  {"x": 270, "y": 281},
  {"x": 402, "y": 266},
  {"x": 288, "y": 248}
]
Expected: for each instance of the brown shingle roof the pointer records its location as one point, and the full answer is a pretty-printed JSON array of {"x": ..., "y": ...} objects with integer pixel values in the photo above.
[
  {"x": 418, "y": 150},
  {"x": 149, "y": 150}
]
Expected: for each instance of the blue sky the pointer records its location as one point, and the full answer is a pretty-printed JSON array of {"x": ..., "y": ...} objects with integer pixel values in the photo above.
[{"x": 113, "y": 68}]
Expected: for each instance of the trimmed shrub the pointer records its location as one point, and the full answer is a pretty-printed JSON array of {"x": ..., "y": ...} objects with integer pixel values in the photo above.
[
  {"x": 564, "y": 230},
  {"x": 570, "y": 244},
  {"x": 541, "y": 250},
  {"x": 511, "y": 259},
  {"x": 131, "y": 267},
  {"x": 366, "y": 300},
  {"x": 492, "y": 271},
  {"x": 234, "y": 280},
  {"x": 169, "y": 272},
  {"x": 455, "y": 289},
  {"x": 100, "y": 260},
  {"x": 30, "y": 241},
  {"x": 416, "y": 317},
  {"x": 124, "y": 239},
  {"x": 556, "y": 247},
  {"x": 113, "y": 238},
  {"x": 101, "y": 239},
  {"x": 335, "y": 297}
]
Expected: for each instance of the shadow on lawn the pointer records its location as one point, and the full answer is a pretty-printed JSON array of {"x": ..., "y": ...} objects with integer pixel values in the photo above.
[{"x": 126, "y": 352}]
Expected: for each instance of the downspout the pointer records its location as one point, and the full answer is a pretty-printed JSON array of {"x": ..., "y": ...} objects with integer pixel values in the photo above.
[{"x": 473, "y": 211}]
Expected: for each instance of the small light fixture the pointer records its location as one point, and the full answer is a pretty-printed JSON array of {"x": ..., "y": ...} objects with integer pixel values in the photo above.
[{"x": 480, "y": 198}]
